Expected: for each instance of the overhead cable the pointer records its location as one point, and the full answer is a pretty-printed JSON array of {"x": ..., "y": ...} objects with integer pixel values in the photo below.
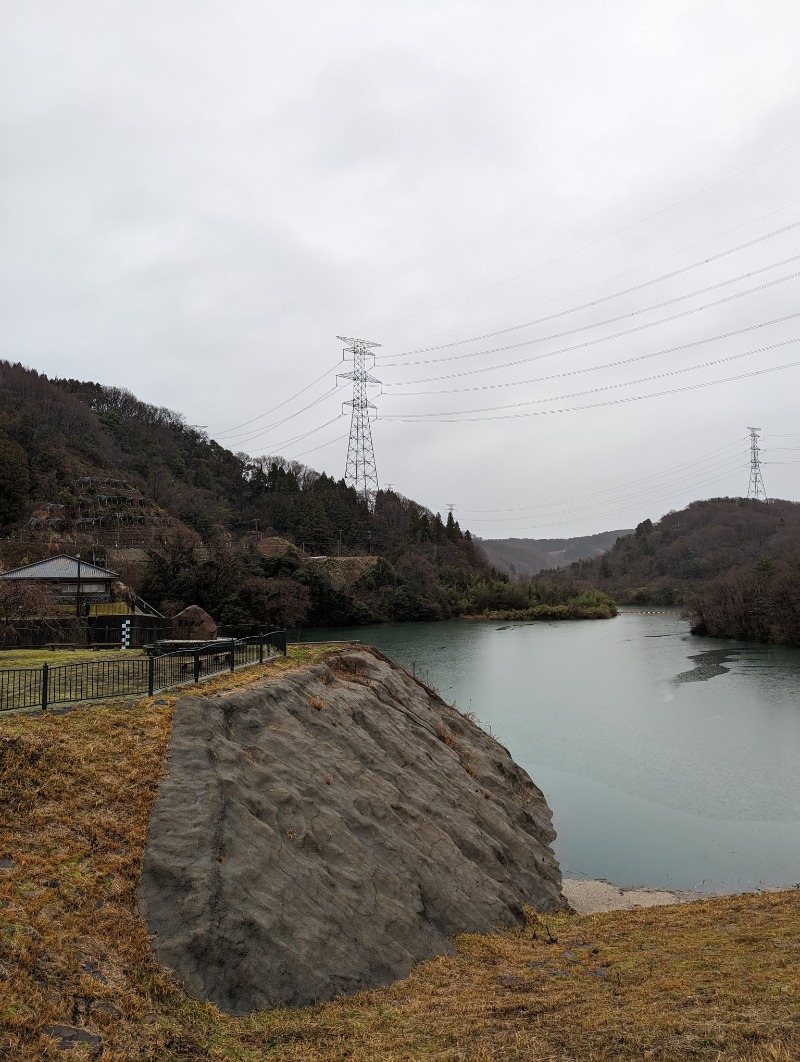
[
  {"x": 637, "y": 497},
  {"x": 229, "y": 431},
  {"x": 619, "y": 317},
  {"x": 593, "y": 368},
  {"x": 616, "y": 512},
  {"x": 593, "y": 243},
  {"x": 604, "y": 339},
  {"x": 339, "y": 438},
  {"x": 604, "y": 280},
  {"x": 606, "y": 298},
  {"x": 597, "y": 405},
  {"x": 605, "y": 387},
  {"x": 701, "y": 459}
]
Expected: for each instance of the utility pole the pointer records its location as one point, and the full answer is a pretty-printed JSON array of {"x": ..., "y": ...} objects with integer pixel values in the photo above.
[
  {"x": 360, "y": 471},
  {"x": 756, "y": 488},
  {"x": 78, "y": 589}
]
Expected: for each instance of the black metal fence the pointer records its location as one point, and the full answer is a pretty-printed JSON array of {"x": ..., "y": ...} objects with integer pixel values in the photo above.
[
  {"x": 48, "y": 685},
  {"x": 103, "y": 632},
  {"x": 130, "y": 632}
]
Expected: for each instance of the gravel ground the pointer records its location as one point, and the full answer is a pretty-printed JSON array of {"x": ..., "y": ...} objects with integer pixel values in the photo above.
[{"x": 590, "y": 897}]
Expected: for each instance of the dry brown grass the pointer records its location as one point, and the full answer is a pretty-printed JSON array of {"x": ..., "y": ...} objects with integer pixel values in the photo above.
[
  {"x": 21, "y": 658},
  {"x": 715, "y": 980}
]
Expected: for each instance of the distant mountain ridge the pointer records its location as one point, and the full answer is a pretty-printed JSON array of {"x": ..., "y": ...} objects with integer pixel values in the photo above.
[
  {"x": 686, "y": 551},
  {"x": 528, "y": 556}
]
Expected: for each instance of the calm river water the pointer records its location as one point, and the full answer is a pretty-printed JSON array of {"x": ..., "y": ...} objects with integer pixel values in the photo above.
[{"x": 667, "y": 760}]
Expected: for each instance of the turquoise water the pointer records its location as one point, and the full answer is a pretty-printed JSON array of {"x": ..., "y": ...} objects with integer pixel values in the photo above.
[{"x": 667, "y": 760}]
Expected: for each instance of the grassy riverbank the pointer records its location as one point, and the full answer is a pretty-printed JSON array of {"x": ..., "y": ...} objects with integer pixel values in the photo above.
[{"x": 716, "y": 979}]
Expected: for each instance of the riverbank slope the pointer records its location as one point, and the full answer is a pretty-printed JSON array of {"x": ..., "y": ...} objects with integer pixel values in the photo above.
[{"x": 714, "y": 979}]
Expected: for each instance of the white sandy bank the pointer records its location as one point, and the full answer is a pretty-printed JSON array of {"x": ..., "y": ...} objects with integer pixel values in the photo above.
[{"x": 589, "y": 897}]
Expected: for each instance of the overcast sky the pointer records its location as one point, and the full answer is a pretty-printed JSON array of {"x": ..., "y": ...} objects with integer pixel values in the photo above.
[{"x": 197, "y": 197}]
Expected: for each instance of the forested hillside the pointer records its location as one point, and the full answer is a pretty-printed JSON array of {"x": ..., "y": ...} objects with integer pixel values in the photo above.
[
  {"x": 90, "y": 468},
  {"x": 735, "y": 562},
  {"x": 666, "y": 562},
  {"x": 527, "y": 556}
]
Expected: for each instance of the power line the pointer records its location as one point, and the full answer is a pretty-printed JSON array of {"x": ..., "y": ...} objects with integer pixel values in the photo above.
[
  {"x": 260, "y": 432},
  {"x": 601, "y": 339},
  {"x": 638, "y": 489},
  {"x": 607, "y": 298},
  {"x": 605, "y": 280},
  {"x": 609, "y": 402},
  {"x": 257, "y": 431},
  {"x": 614, "y": 506},
  {"x": 330, "y": 442},
  {"x": 623, "y": 316},
  {"x": 605, "y": 513},
  {"x": 594, "y": 368},
  {"x": 305, "y": 435},
  {"x": 279, "y": 379},
  {"x": 737, "y": 446},
  {"x": 606, "y": 387},
  {"x": 593, "y": 243}
]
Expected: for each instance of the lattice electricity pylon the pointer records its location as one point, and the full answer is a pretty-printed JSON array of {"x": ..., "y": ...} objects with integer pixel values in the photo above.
[
  {"x": 755, "y": 488},
  {"x": 360, "y": 471}
]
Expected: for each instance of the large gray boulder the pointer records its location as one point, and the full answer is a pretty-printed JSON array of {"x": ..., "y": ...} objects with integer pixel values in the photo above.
[
  {"x": 194, "y": 624},
  {"x": 323, "y": 832}
]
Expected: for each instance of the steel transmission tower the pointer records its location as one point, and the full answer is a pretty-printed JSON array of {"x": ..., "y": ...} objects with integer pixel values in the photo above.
[
  {"x": 360, "y": 471},
  {"x": 755, "y": 488}
]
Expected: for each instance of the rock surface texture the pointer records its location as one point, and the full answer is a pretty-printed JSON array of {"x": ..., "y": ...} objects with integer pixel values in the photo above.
[
  {"x": 194, "y": 623},
  {"x": 323, "y": 832}
]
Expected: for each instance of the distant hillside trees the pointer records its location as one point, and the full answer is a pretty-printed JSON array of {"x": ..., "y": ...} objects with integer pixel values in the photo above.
[
  {"x": 527, "y": 556},
  {"x": 759, "y": 603},
  {"x": 221, "y": 508},
  {"x": 15, "y": 481},
  {"x": 669, "y": 561}
]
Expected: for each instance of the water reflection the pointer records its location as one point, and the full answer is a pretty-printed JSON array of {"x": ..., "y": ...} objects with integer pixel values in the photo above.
[{"x": 707, "y": 665}]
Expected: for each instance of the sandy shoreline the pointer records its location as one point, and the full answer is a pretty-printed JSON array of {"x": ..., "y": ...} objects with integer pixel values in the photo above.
[{"x": 591, "y": 897}]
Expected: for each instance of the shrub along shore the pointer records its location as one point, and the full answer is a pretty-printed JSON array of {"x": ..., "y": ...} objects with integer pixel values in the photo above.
[
  {"x": 587, "y": 604},
  {"x": 715, "y": 979}
]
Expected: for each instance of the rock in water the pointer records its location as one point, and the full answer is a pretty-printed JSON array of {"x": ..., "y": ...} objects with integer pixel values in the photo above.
[{"x": 324, "y": 832}]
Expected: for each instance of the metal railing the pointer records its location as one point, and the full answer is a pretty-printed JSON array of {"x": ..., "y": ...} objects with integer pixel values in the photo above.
[{"x": 48, "y": 685}]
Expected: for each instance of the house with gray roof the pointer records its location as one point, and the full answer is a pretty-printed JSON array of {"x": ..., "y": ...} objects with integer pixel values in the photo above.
[{"x": 65, "y": 578}]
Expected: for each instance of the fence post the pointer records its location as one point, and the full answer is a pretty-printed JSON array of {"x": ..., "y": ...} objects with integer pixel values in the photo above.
[
  {"x": 261, "y": 650},
  {"x": 233, "y": 655},
  {"x": 151, "y": 667},
  {"x": 197, "y": 665},
  {"x": 45, "y": 670}
]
